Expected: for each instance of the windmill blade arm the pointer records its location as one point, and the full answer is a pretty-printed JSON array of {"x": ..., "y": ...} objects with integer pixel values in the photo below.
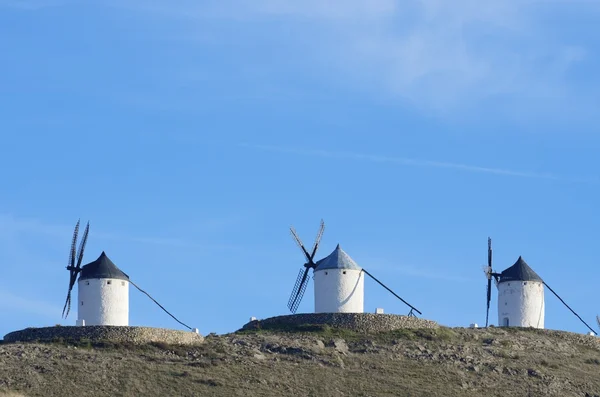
[
  {"x": 318, "y": 240},
  {"x": 393, "y": 293},
  {"x": 298, "y": 290},
  {"x": 299, "y": 242},
  {"x": 490, "y": 273},
  {"x": 159, "y": 305},
  {"x": 490, "y": 252},
  {"x": 67, "y": 306},
  {"x": 568, "y": 307},
  {"x": 72, "y": 253},
  {"x": 489, "y": 298},
  {"x": 82, "y": 245}
]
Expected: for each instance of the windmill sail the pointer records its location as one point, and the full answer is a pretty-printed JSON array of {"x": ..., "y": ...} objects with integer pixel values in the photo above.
[
  {"x": 298, "y": 291},
  {"x": 302, "y": 278},
  {"x": 489, "y": 281},
  {"x": 74, "y": 266}
]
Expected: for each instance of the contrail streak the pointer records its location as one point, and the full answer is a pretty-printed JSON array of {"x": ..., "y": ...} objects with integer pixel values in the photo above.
[{"x": 417, "y": 163}]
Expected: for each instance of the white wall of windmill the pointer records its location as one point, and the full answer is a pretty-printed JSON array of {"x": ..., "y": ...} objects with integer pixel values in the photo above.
[
  {"x": 103, "y": 301},
  {"x": 339, "y": 291},
  {"x": 521, "y": 304}
]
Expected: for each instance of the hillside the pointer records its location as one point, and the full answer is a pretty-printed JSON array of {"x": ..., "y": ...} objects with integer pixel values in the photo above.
[{"x": 314, "y": 361}]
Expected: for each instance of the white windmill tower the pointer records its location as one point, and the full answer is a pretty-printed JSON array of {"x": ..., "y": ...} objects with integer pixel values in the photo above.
[
  {"x": 102, "y": 289},
  {"x": 520, "y": 297},
  {"x": 102, "y": 294},
  {"x": 339, "y": 281},
  {"x": 521, "y": 300},
  {"x": 339, "y": 284}
]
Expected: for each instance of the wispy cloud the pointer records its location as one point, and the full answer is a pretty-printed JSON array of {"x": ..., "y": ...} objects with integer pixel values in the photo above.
[
  {"x": 11, "y": 225},
  {"x": 418, "y": 163},
  {"x": 437, "y": 54}
]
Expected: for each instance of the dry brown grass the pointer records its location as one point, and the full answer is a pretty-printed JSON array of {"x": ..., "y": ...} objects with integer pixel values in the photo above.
[{"x": 314, "y": 362}]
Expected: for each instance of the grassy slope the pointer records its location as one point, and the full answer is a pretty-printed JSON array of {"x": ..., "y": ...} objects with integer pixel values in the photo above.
[{"x": 315, "y": 362}]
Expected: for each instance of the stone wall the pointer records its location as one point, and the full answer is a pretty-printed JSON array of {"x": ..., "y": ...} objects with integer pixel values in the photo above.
[
  {"x": 361, "y": 322},
  {"x": 97, "y": 333}
]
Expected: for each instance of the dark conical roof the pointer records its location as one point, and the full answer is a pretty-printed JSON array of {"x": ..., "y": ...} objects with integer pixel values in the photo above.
[
  {"x": 102, "y": 267},
  {"x": 338, "y": 259},
  {"x": 520, "y": 271}
]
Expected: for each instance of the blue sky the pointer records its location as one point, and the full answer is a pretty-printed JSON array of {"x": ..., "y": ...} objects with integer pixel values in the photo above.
[{"x": 193, "y": 134}]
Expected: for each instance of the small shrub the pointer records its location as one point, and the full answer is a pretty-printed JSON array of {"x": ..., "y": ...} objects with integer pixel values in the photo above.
[
  {"x": 444, "y": 333},
  {"x": 160, "y": 345},
  {"x": 209, "y": 382},
  {"x": 430, "y": 334},
  {"x": 183, "y": 374},
  {"x": 322, "y": 330},
  {"x": 440, "y": 334},
  {"x": 83, "y": 343},
  {"x": 408, "y": 334},
  {"x": 545, "y": 363}
]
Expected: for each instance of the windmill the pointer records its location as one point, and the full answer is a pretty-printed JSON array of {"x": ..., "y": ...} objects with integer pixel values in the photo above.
[
  {"x": 103, "y": 289},
  {"x": 520, "y": 295},
  {"x": 339, "y": 281}
]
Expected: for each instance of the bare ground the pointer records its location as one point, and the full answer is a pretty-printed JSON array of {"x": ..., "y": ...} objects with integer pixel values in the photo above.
[{"x": 314, "y": 361}]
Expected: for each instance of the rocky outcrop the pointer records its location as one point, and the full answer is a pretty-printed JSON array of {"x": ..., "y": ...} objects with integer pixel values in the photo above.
[
  {"x": 360, "y": 322},
  {"x": 95, "y": 333}
]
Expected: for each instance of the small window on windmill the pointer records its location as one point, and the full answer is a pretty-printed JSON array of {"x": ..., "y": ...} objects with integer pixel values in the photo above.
[
  {"x": 81, "y": 303},
  {"x": 524, "y": 282},
  {"x": 109, "y": 282},
  {"x": 122, "y": 283},
  {"x": 326, "y": 273},
  {"x": 87, "y": 283},
  {"x": 344, "y": 272}
]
